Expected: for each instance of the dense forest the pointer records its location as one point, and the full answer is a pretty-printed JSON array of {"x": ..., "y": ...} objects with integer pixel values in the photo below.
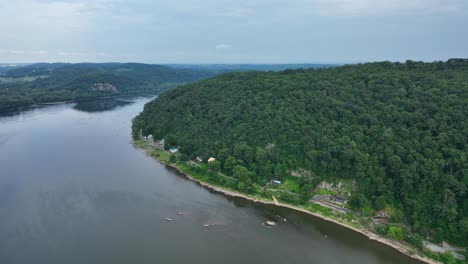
[
  {"x": 44, "y": 82},
  {"x": 398, "y": 130}
]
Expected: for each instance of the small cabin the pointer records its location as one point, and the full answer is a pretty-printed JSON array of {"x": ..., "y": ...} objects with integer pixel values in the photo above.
[
  {"x": 173, "y": 150},
  {"x": 276, "y": 182}
]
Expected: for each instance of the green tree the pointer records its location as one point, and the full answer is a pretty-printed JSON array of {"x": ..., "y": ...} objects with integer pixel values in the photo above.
[
  {"x": 395, "y": 232},
  {"x": 230, "y": 163},
  {"x": 214, "y": 165},
  {"x": 448, "y": 258},
  {"x": 357, "y": 201}
]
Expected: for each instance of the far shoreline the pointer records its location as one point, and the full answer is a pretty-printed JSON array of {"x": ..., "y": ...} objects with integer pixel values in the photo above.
[{"x": 404, "y": 249}]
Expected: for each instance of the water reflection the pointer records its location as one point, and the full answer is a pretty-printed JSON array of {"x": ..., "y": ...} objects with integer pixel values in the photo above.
[{"x": 100, "y": 105}]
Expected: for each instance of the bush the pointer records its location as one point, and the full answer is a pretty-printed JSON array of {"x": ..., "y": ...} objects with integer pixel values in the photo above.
[
  {"x": 415, "y": 240},
  {"x": 381, "y": 229},
  {"x": 172, "y": 159},
  {"x": 395, "y": 232},
  {"x": 447, "y": 258}
]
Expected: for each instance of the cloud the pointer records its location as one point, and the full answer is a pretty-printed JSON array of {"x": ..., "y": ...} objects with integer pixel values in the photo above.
[
  {"x": 223, "y": 46},
  {"x": 72, "y": 54},
  {"x": 16, "y": 52},
  {"x": 40, "y": 52}
]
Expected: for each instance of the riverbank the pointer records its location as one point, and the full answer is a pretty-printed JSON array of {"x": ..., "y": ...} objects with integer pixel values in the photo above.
[
  {"x": 30, "y": 106},
  {"x": 402, "y": 248}
]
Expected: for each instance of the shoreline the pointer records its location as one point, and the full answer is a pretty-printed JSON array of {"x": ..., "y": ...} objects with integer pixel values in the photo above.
[
  {"x": 52, "y": 103},
  {"x": 404, "y": 249}
]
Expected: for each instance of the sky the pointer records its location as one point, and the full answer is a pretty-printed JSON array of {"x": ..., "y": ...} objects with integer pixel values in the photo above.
[{"x": 232, "y": 31}]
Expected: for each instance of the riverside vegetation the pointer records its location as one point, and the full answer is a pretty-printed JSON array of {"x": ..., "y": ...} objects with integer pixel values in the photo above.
[{"x": 395, "y": 132}]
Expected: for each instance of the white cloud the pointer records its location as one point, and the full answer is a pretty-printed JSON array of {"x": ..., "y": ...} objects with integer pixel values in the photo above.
[
  {"x": 40, "y": 52},
  {"x": 223, "y": 46}
]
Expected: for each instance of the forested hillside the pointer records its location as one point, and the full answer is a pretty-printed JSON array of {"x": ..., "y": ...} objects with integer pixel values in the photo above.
[
  {"x": 398, "y": 130},
  {"x": 44, "y": 82}
]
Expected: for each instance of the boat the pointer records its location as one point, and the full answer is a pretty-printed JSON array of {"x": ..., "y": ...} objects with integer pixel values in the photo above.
[
  {"x": 282, "y": 218},
  {"x": 208, "y": 225},
  {"x": 270, "y": 223},
  {"x": 183, "y": 213},
  {"x": 168, "y": 219}
]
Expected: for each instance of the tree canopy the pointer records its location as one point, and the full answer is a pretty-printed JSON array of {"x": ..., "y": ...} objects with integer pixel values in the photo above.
[{"x": 399, "y": 130}]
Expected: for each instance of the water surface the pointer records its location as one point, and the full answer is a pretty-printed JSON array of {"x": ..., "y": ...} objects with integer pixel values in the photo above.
[{"x": 74, "y": 190}]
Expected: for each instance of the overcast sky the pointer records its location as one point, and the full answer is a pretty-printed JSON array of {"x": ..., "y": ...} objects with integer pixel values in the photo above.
[{"x": 232, "y": 31}]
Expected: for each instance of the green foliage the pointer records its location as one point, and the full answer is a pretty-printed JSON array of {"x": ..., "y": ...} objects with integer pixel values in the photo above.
[
  {"x": 395, "y": 232},
  {"x": 214, "y": 165},
  {"x": 357, "y": 201},
  {"x": 184, "y": 157},
  {"x": 447, "y": 258},
  {"x": 399, "y": 130},
  {"x": 381, "y": 229},
  {"x": 415, "y": 240},
  {"x": 292, "y": 185},
  {"x": 326, "y": 191}
]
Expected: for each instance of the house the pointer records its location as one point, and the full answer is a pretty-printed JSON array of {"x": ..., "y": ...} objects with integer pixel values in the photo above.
[
  {"x": 326, "y": 200},
  {"x": 276, "y": 182},
  {"x": 173, "y": 150},
  {"x": 339, "y": 199},
  {"x": 199, "y": 159},
  {"x": 211, "y": 159}
]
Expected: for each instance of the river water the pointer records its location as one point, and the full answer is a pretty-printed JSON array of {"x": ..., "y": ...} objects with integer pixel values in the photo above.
[{"x": 74, "y": 190}]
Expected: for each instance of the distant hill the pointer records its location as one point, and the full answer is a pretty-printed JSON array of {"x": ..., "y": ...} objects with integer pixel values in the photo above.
[
  {"x": 249, "y": 67},
  {"x": 45, "y": 82},
  {"x": 8, "y": 66},
  {"x": 398, "y": 130}
]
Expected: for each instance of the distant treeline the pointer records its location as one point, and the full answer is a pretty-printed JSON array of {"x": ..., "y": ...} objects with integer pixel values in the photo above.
[{"x": 44, "y": 82}]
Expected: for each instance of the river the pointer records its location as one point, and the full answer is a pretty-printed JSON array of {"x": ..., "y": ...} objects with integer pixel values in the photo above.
[{"x": 74, "y": 190}]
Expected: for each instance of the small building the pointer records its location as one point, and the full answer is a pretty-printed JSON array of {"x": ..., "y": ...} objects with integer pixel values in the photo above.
[
  {"x": 199, "y": 159},
  {"x": 339, "y": 199},
  {"x": 173, "y": 150},
  {"x": 211, "y": 159},
  {"x": 276, "y": 182}
]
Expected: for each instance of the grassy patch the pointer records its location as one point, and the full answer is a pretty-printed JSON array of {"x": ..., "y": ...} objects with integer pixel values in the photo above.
[
  {"x": 160, "y": 155},
  {"x": 291, "y": 184},
  {"x": 152, "y": 151}
]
